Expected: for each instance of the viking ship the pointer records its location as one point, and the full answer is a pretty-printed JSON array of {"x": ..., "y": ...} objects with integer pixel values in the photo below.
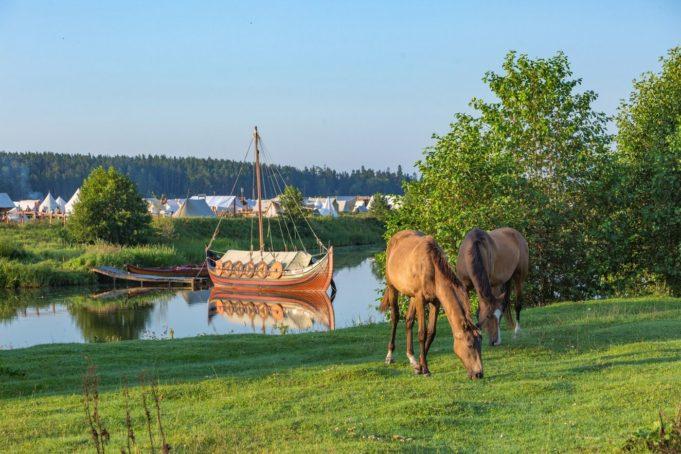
[
  {"x": 264, "y": 270},
  {"x": 295, "y": 310}
]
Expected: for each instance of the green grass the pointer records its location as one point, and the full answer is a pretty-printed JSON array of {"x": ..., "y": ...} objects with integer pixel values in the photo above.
[
  {"x": 582, "y": 376},
  {"x": 41, "y": 255}
]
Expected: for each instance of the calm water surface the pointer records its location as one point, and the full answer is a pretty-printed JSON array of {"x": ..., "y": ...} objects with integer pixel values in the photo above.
[{"x": 98, "y": 315}]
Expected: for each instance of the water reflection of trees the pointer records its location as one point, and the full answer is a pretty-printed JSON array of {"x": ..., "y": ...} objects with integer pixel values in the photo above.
[
  {"x": 355, "y": 256},
  {"x": 119, "y": 318}
]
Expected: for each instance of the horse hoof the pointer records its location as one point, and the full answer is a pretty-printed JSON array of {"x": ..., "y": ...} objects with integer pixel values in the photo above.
[
  {"x": 389, "y": 361},
  {"x": 417, "y": 371},
  {"x": 426, "y": 373}
]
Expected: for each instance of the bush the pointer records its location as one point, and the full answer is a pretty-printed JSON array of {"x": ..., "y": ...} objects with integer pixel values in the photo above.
[{"x": 110, "y": 210}]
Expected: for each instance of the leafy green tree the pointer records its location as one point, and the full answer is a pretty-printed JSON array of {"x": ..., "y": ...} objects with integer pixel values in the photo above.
[
  {"x": 379, "y": 207},
  {"x": 292, "y": 202},
  {"x": 537, "y": 158},
  {"x": 110, "y": 209},
  {"x": 649, "y": 147}
]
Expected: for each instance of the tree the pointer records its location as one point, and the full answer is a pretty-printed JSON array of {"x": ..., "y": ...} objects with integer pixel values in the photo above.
[
  {"x": 649, "y": 147},
  {"x": 110, "y": 209},
  {"x": 536, "y": 159},
  {"x": 292, "y": 202},
  {"x": 379, "y": 207}
]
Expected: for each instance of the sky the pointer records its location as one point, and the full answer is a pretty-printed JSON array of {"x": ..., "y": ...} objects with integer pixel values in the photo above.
[{"x": 341, "y": 84}]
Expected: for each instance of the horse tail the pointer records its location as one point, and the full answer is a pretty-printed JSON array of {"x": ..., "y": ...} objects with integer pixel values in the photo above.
[
  {"x": 479, "y": 273},
  {"x": 389, "y": 298}
]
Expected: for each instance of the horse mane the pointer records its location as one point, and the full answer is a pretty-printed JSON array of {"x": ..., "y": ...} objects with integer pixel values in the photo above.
[
  {"x": 461, "y": 294},
  {"x": 478, "y": 271}
]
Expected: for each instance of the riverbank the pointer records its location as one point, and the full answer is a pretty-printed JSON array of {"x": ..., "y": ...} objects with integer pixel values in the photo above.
[
  {"x": 43, "y": 255},
  {"x": 581, "y": 376}
]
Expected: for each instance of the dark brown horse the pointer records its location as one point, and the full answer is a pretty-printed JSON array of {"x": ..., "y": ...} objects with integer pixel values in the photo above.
[
  {"x": 488, "y": 261},
  {"x": 417, "y": 267}
]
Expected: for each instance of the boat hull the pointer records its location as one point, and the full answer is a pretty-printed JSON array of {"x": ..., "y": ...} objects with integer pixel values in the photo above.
[
  {"x": 315, "y": 278},
  {"x": 184, "y": 271}
]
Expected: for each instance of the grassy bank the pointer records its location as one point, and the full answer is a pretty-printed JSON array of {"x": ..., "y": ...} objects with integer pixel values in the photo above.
[
  {"x": 39, "y": 255},
  {"x": 582, "y": 376}
]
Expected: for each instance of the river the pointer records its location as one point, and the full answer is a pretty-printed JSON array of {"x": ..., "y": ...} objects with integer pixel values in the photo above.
[{"x": 34, "y": 317}]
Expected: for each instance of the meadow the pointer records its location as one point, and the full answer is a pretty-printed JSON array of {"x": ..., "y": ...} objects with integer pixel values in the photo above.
[
  {"x": 581, "y": 376},
  {"x": 43, "y": 254}
]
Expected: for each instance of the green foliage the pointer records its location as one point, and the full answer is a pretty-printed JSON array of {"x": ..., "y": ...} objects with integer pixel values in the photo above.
[
  {"x": 537, "y": 159},
  {"x": 11, "y": 249},
  {"x": 581, "y": 377},
  {"x": 110, "y": 210},
  {"x": 292, "y": 202},
  {"x": 665, "y": 436},
  {"x": 379, "y": 207},
  {"x": 649, "y": 147}
]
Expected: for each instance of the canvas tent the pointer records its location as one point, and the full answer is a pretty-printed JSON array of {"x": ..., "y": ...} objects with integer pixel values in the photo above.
[
  {"x": 222, "y": 203},
  {"x": 49, "y": 205},
  {"x": 345, "y": 203},
  {"x": 270, "y": 208},
  {"x": 327, "y": 208},
  {"x": 62, "y": 204},
  {"x": 154, "y": 206},
  {"x": 28, "y": 205},
  {"x": 68, "y": 209},
  {"x": 172, "y": 205},
  {"x": 360, "y": 207},
  {"x": 194, "y": 208},
  {"x": 6, "y": 203}
]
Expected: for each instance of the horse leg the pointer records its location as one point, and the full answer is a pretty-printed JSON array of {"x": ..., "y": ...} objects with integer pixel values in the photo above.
[
  {"x": 432, "y": 323},
  {"x": 507, "y": 304},
  {"x": 410, "y": 344},
  {"x": 390, "y": 298},
  {"x": 518, "y": 284},
  {"x": 423, "y": 333}
]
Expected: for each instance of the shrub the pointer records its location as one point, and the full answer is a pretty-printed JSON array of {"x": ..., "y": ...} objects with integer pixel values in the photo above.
[{"x": 110, "y": 209}]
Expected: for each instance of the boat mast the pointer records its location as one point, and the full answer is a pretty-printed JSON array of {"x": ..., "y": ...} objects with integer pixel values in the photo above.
[{"x": 258, "y": 184}]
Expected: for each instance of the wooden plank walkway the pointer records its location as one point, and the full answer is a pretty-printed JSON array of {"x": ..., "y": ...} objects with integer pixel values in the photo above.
[{"x": 117, "y": 273}]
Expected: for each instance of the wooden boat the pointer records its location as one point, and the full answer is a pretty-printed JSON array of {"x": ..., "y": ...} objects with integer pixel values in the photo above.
[
  {"x": 178, "y": 271},
  {"x": 296, "y": 310},
  {"x": 261, "y": 270}
]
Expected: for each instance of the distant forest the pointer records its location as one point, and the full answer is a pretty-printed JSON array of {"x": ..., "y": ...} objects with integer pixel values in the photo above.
[{"x": 32, "y": 175}]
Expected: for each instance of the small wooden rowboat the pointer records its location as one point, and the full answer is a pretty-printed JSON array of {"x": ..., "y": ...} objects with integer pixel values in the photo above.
[
  {"x": 297, "y": 310},
  {"x": 175, "y": 271}
]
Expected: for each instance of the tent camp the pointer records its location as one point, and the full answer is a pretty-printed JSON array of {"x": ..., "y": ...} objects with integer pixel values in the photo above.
[
  {"x": 68, "y": 209},
  {"x": 172, "y": 206},
  {"x": 271, "y": 208},
  {"x": 49, "y": 204},
  {"x": 194, "y": 208},
  {"x": 6, "y": 203}
]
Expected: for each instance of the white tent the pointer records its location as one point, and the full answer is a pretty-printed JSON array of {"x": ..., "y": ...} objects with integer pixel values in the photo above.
[
  {"x": 173, "y": 205},
  {"x": 154, "y": 206},
  {"x": 194, "y": 208},
  {"x": 327, "y": 208},
  {"x": 270, "y": 208},
  {"x": 61, "y": 203},
  {"x": 68, "y": 209},
  {"x": 345, "y": 203},
  {"x": 6, "y": 203},
  {"x": 221, "y": 203},
  {"x": 360, "y": 207},
  {"x": 49, "y": 205},
  {"x": 28, "y": 205}
]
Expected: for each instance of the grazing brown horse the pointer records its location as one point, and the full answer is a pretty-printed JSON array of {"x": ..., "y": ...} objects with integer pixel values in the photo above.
[
  {"x": 417, "y": 267},
  {"x": 488, "y": 261}
]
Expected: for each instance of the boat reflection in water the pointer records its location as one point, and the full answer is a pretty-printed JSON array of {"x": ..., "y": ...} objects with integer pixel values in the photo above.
[{"x": 297, "y": 311}]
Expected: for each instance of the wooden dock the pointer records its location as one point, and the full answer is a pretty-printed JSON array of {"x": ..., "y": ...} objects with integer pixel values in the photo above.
[{"x": 169, "y": 281}]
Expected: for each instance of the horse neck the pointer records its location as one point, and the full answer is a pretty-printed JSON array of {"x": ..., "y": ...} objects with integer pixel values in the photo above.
[{"x": 457, "y": 314}]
